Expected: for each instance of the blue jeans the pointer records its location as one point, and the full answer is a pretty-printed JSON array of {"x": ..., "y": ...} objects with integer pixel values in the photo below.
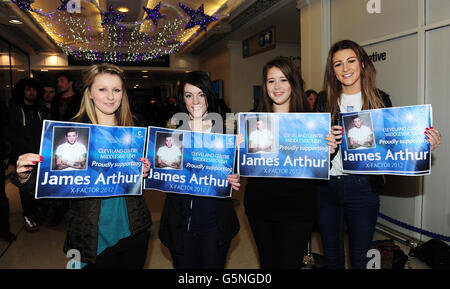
[{"x": 347, "y": 199}]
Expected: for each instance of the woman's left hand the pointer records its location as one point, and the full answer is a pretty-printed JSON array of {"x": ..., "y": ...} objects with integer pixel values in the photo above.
[
  {"x": 235, "y": 181},
  {"x": 146, "y": 165},
  {"x": 433, "y": 137}
]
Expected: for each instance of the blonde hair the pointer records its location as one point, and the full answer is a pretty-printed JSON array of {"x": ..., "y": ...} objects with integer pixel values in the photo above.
[{"x": 87, "y": 108}]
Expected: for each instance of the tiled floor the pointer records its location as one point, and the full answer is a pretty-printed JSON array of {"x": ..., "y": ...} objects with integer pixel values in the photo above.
[{"x": 43, "y": 249}]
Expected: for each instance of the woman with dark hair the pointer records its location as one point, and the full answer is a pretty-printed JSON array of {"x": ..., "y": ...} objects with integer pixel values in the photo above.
[
  {"x": 198, "y": 230},
  {"x": 350, "y": 85},
  {"x": 281, "y": 210},
  {"x": 109, "y": 233}
]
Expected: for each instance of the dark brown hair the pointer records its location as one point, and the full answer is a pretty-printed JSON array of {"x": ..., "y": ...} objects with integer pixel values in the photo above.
[
  {"x": 371, "y": 98},
  {"x": 297, "y": 101}
]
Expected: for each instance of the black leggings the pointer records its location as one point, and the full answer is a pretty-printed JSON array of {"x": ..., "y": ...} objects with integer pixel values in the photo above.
[
  {"x": 128, "y": 253},
  {"x": 281, "y": 245}
]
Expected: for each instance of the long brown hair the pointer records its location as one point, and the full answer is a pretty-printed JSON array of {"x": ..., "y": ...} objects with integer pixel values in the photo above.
[
  {"x": 371, "y": 98},
  {"x": 297, "y": 101},
  {"x": 87, "y": 108}
]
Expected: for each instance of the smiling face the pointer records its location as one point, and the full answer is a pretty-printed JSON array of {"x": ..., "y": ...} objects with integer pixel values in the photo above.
[
  {"x": 347, "y": 69},
  {"x": 106, "y": 92},
  {"x": 278, "y": 88},
  {"x": 195, "y": 101}
]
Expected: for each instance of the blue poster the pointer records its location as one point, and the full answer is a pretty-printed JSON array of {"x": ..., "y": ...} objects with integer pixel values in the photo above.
[
  {"x": 287, "y": 145},
  {"x": 192, "y": 163},
  {"x": 86, "y": 160},
  {"x": 387, "y": 141}
]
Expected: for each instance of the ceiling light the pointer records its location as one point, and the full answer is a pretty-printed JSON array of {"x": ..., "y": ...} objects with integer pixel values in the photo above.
[
  {"x": 15, "y": 21},
  {"x": 144, "y": 71},
  {"x": 144, "y": 76},
  {"x": 123, "y": 9},
  {"x": 44, "y": 70}
]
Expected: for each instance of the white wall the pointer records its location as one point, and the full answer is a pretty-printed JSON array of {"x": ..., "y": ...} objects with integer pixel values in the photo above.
[{"x": 415, "y": 34}]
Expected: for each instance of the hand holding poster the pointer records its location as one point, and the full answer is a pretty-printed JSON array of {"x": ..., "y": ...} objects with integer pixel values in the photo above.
[
  {"x": 290, "y": 145},
  {"x": 189, "y": 162},
  {"x": 387, "y": 141},
  {"x": 86, "y": 160}
]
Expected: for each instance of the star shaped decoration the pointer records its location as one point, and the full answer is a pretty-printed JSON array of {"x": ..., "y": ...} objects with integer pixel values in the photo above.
[
  {"x": 198, "y": 17},
  {"x": 63, "y": 6},
  {"x": 154, "y": 14},
  {"x": 112, "y": 17},
  {"x": 24, "y": 4}
]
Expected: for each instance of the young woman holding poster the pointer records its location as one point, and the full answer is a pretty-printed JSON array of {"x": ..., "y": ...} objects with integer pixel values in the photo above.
[
  {"x": 198, "y": 230},
  {"x": 281, "y": 210},
  {"x": 109, "y": 232},
  {"x": 350, "y": 85}
]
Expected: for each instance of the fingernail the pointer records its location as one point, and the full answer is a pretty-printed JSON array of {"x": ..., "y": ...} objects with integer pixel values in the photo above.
[
  {"x": 34, "y": 163},
  {"x": 427, "y": 128},
  {"x": 42, "y": 158},
  {"x": 431, "y": 127},
  {"x": 28, "y": 168},
  {"x": 140, "y": 159}
]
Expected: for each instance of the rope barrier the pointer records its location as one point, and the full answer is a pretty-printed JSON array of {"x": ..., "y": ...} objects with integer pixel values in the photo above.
[{"x": 414, "y": 229}]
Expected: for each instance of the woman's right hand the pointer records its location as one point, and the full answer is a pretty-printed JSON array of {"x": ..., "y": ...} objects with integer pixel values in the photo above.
[{"x": 25, "y": 165}]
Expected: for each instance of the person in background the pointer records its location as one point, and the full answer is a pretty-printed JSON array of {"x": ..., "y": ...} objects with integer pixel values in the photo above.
[
  {"x": 109, "y": 233},
  {"x": 47, "y": 98},
  {"x": 311, "y": 97},
  {"x": 67, "y": 102},
  {"x": 24, "y": 134},
  {"x": 350, "y": 199}
]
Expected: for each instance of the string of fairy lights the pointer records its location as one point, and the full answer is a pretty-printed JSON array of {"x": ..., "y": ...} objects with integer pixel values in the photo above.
[{"x": 110, "y": 39}]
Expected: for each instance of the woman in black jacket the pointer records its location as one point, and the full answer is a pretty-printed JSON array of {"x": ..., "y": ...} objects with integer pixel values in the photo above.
[
  {"x": 350, "y": 85},
  {"x": 198, "y": 230},
  {"x": 107, "y": 232},
  {"x": 281, "y": 210}
]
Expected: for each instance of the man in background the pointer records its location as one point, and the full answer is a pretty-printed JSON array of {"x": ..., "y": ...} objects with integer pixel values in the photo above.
[
  {"x": 47, "y": 98},
  {"x": 67, "y": 102}
]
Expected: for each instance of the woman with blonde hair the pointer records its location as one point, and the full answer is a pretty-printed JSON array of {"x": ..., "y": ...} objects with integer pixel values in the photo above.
[
  {"x": 108, "y": 232},
  {"x": 350, "y": 85}
]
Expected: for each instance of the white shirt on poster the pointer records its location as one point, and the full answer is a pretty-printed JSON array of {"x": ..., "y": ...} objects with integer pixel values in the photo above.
[
  {"x": 169, "y": 155},
  {"x": 262, "y": 138},
  {"x": 71, "y": 153},
  {"x": 348, "y": 103}
]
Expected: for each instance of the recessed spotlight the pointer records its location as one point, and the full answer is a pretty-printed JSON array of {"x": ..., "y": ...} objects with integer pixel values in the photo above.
[
  {"x": 123, "y": 9},
  {"x": 144, "y": 76},
  {"x": 15, "y": 21},
  {"x": 144, "y": 71},
  {"x": 44, "y": 70}
]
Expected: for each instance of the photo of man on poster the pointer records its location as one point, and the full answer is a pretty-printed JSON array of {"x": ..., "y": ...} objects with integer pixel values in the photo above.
[{"x": 72, "y": 154}]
